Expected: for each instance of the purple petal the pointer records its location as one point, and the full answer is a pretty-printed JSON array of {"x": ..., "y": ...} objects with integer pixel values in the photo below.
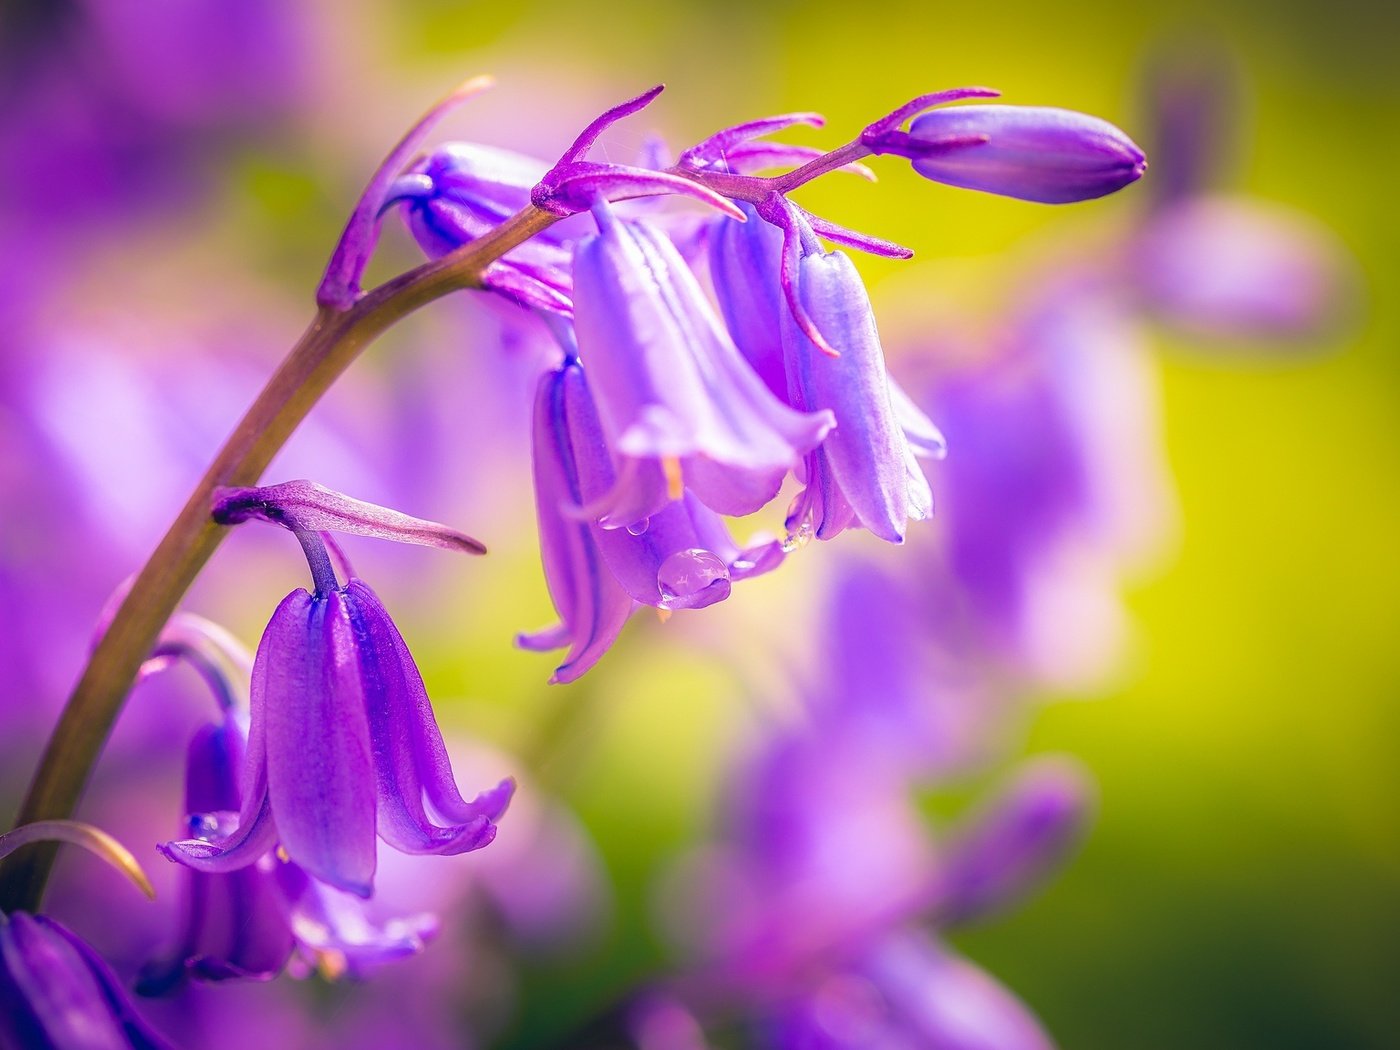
[
  {"x": 226, "y": 840},
  {"x": 55, "y": 991},
  {"x": 231, "y": 925},
  {"x": 743, "y": 267},
  {"x": 326, "y": 921},
  {"x": 924, "y": 438},
  {"x": 1015, "y": 844},
  {"x": 409, "y": 757},
  {"x": 1034, "y": 153},
  {"x": 304, "y": 506},
  {"x": 591, "y": 604},
  {"x": 525, "y": 289},
  {"x": 668, "y": 379},
  {"x": 867, "y": 455},
  {"x": 320, "y": 770}
]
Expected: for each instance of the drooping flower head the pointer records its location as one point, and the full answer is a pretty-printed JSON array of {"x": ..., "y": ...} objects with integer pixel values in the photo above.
[
  {"x": 342, "y": 742},
  {"x": 674, "y": 394},
  {"x": 247, "y": 923},
  {"x": 681, "y": 557},
  {"x": 864, "y": 472}
]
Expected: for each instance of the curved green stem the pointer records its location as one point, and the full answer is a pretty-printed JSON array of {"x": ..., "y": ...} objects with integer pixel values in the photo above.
[{"x": 333, "y": 340}]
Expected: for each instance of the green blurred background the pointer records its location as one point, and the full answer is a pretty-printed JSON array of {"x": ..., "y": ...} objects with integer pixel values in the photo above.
[{"x": 1242, "y": 885}]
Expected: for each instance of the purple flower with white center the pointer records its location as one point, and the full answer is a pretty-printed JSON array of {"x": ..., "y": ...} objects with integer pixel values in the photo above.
[
  {"x": 1034, "y": 153},
  {"x": 342, "y": 742},
  {"x": 678, "y": 403},
  {"x": 681, "y": 557}
]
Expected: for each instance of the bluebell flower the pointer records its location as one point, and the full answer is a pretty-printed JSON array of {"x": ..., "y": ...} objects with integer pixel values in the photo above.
[
  {"x": 342, "y": 740},
  {"x": 679, "y": 405},
  {"x": 864, "y": 471},
  {"x": 681, "y": 557},
  {"x": 1217, "y": 264},
  {"x": 461, "y": 191},
  {"x": 246, "y": 923}
]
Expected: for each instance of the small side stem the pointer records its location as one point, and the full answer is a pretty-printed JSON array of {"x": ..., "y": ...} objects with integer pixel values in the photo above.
[{"x": 333, "y": 340}]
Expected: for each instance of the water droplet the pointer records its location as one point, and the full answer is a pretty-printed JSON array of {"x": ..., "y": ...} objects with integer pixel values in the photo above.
[
  {"x": 689, "y": 572},
  {"x": 639, "y": 527},
  {"x": 742, "y": 565},
  {"x": 797, "y": 540}
]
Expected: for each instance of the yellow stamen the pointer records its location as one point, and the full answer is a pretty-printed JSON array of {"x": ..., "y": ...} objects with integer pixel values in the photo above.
[
  {"x": 671, "y": 467},
  {"x": 331, "y": 964}
]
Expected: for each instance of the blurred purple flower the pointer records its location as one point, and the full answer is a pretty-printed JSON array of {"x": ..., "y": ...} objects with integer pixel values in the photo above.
[
  {"x": 1218, "y": 265},
  {"x": 907, "y": 990},
  {"x": 1057, "y": 484},
  {"x": 824, "y": 872},
  {"x": 1237, "y": 268},
  {"x": 56, "y": 993}
]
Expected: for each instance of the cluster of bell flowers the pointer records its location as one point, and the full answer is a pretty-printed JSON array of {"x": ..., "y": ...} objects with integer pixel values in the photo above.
[{"x": 667, "y": 409}]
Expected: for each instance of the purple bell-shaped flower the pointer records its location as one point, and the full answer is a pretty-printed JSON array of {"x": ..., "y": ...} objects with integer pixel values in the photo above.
[{"x": 342, "y": 742}]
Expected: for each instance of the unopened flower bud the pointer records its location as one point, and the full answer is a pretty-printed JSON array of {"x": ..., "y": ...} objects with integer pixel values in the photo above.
[{"x": 1035, "y": 153}]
